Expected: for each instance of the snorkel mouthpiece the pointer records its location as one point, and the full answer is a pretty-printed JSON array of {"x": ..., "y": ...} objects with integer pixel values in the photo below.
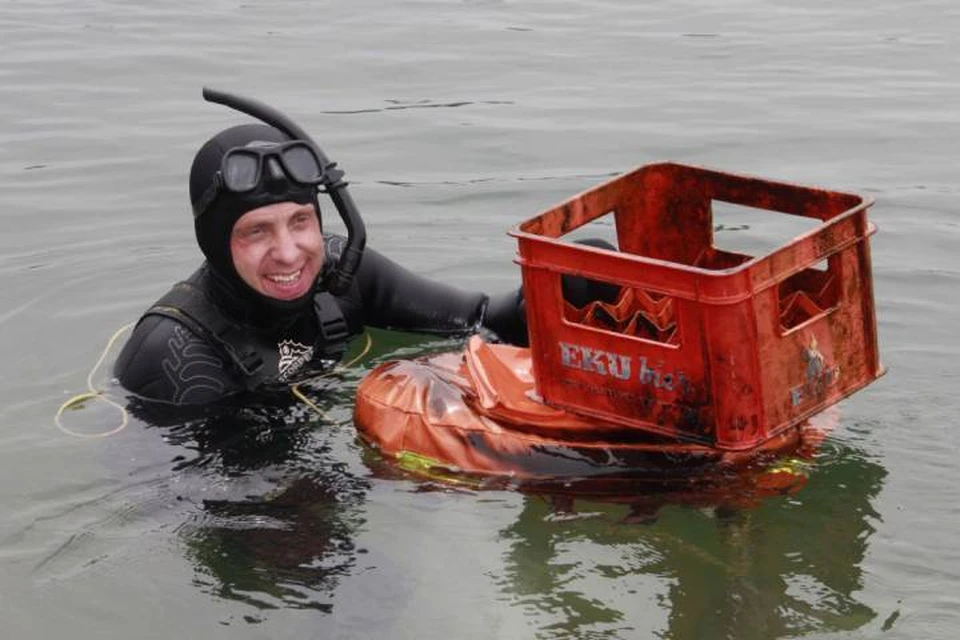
[{"x": 338, "y": 280}]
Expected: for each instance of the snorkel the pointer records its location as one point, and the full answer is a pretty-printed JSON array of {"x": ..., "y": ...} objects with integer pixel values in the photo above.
[{"x": 337, "y": 280}]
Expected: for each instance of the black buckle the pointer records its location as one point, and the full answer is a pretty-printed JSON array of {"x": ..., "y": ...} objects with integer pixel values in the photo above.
[{"x": 249, "y": 361}]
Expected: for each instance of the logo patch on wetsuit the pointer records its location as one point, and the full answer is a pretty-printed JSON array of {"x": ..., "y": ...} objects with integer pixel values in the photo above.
[{"x": 293, "y": 355}]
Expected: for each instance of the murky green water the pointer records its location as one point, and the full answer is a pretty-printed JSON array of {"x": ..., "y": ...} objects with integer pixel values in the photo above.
[{"x": 454, "y": 121}]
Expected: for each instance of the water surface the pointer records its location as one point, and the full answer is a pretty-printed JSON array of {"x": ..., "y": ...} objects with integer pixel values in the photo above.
[{"x": 454, "y": 121}]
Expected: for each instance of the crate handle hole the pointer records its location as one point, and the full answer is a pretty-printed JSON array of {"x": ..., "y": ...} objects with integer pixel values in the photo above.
[{"x": 809, "y": 294}]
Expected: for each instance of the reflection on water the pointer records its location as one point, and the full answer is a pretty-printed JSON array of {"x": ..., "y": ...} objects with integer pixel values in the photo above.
[
  {"x": 771, "y": 551},
  {"x": 283, "y": 550},
  {"x": 287, "y": 539},
  {"x": 789, "y": 567}
]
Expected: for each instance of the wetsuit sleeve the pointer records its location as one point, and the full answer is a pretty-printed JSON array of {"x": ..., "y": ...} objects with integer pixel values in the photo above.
[
  {"x": 385, "y": 295},
  {"x": 395, "y": 298},
  {"x": 163, "y": 360}
]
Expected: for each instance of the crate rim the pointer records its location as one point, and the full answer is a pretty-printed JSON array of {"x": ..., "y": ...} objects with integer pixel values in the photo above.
[{"x": 866, "y": 201}]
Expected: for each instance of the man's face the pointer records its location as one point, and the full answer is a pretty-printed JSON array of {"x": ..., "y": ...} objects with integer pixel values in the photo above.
[{"x": 278, "y": 249}]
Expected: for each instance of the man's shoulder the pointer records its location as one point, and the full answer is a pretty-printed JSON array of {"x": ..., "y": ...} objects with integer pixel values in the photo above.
[{"x": 164, "y": 360}]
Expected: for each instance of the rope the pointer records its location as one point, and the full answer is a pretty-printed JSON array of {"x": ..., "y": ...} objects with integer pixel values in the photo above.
[
  {"x": 299, "y": 395},
  {"x": 93, "y": 393}
]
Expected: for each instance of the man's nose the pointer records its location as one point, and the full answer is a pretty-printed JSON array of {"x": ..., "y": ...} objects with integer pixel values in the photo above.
[{"x": 285, "y": 249}]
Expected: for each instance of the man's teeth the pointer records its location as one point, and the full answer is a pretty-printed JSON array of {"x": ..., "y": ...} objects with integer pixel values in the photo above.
[{"x": 285, "y": 278}]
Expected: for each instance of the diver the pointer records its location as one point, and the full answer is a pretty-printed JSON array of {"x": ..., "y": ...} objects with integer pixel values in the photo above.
[{"x": 277, "y": 300}]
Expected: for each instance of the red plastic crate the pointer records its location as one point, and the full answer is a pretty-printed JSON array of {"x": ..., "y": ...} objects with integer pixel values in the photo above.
[{"x": 701, "y": 344}]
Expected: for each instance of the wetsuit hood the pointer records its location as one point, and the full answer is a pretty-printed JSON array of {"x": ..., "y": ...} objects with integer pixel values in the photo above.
[{"x": 214, "y": 224}]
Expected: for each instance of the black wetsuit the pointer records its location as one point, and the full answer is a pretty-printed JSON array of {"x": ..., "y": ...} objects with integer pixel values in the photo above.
[{"x": 166, "y": 360}]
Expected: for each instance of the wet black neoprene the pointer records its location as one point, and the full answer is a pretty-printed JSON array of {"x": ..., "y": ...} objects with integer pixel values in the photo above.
[{"x": 167, "y": 360}]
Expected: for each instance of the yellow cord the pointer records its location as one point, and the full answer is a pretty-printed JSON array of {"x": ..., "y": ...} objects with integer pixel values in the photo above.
[
  {"x": 295, "y": 390},
  {"x": 299, "y": 395},
  {"x": 366, "y": 349},
  {"x": 93, "y": 393}
]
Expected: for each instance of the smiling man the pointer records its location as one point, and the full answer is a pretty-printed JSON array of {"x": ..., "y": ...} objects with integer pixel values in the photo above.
[
  {"x": 278, "y": 249},
  {"x": 258, "y": 312}
]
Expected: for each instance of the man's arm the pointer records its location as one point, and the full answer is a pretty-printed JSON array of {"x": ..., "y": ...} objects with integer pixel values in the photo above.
[{"x": 388, "y": 296}]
